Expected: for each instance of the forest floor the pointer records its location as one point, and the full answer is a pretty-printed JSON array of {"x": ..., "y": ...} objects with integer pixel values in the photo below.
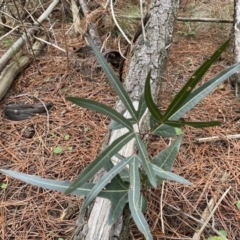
[{"x": 175, "y": 210}]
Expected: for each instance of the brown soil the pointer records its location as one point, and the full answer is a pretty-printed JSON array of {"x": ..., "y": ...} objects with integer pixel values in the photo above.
[{"x": 28, "y": 212}]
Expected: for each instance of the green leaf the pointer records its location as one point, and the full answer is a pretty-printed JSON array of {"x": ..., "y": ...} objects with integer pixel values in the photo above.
[
  {"x": 4, "y": 185},
  {"x": 106, "y": 179},
  {"x": 67, "y": 137},
  {"x": 193, "y": 124},
  {"x": 162, "y": 130},
  {"x": 116, "y": 191},
  {"x": 58, "y": 150},
  {"x": 149, "y": 101},
  {"x": 141, "y": 107},
  {"x": 197, "y": 95},
  {"x": 60, "y": 186},
  {"x": 118, "y": 198},
  {"x": 115, "y": 125},
  {"x": 216, "y": 238},
  {"x": 143, "y": 203},
  {"x": 134, "y": 200},
  {"x": 166, "y": 158},
  {"x": 178, "y": 131},
  {"x": 70, "y": 148},
  {"x": 238, "y": 205},
  {"x": 124, "y": 174},
  {"x": 101, "y": 160},
  {"x": 183, "y": 94},
  {"x": 169, "y": 175},
  {"x": 146, "y": 162},
  {"x": 113, "y": 79},
  {"x": 101, "y": 108},
  {"x": 223, "y": 232},
  {"x": 53, "y": 135}
]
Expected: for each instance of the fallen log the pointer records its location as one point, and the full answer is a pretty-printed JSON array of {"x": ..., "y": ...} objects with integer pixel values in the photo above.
[
  {"x": 17, "y": 66},
  {"x": 146, "y": 55}
]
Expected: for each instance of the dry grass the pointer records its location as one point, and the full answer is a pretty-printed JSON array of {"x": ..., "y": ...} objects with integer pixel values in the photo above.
[{"x": 28, "y": 212}]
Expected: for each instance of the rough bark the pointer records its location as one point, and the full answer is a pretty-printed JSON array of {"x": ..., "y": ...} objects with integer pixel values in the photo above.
[
  {"x": 151, "y": 54},
  {"x": 237, "y": 44}
]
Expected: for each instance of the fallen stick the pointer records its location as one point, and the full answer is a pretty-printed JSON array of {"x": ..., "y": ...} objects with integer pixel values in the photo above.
[
  {"x": 216, "y": 138},
  {"x": 214, "y": 20},
  {"x": 12, "y": 70},
  {"x": 14, "y": 49},
  {"x": 212, "y": 211}
]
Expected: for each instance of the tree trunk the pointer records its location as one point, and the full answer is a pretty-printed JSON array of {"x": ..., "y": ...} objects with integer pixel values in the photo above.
[
  {"x": 236, "y": 30},
  {"x": 146, "y": 55}
]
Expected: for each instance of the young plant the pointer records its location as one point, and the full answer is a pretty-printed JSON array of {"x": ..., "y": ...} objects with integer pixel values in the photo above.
[{"x": 122, "y": 185}]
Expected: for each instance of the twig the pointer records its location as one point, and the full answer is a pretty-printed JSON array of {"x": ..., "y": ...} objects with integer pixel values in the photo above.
[
  {"x": 161, "y": 207},
  {"x": 51, "y": 44},
  {"x": 8, "y": 15},
  {"x": 191, "y": 217},
  {"x": 216, "y": 138},
  {"x": 120, "y": 51},
  {"x": 182, "y": 19},
  {"x": 106, "y": 4},
  {"x": 115, "y": 21},
  {"x": 12, "y": 30},
  {"x": 26, "y": 34},
  {"x": 197, "y": 234},
  {"x": 13, "y": 50}
]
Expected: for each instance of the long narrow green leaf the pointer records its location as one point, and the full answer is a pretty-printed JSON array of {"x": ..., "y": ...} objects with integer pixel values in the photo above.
[
  {"x": 117, "y": 208},
  {"x": 106, "y": 179},
  {"x": 134, "y": 200},
  {"x": 162, "y": 130},
  {"x": 166, "y": 158},
  {"x": 143, "y": 203},
  {"x": 149, "y": 101},
  {"x": 146, "y": 162},
  {"x": 124, "y": 174},
  {"x": 56, "y": 185},
  {"x": 113, "y": 79},
  {"x": 197, "y": 95},
  {"x": 169, "y": 175},
  {"x": 62, "y": 186},
  {"x": 118, "y": 199},
  {"x": 192, "y": 82},
  {"x": 141, "y": 107},
  {"x": 116, "y": 192},
  {"x": 102, "y": 108},
  {"x": 100, "y": 161},
  {"x": 115, "y": 125},
  {"x": 193, "y": 124}
]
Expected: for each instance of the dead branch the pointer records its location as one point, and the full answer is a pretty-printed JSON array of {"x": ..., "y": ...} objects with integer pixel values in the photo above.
[
  {"x": 208, "y": 214},
  {"x": 12, "y": 70},
  {"x": 215, "y": 20},
  {"x": 14, "y": 49},
  {"x": 216, "y": 138}
]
